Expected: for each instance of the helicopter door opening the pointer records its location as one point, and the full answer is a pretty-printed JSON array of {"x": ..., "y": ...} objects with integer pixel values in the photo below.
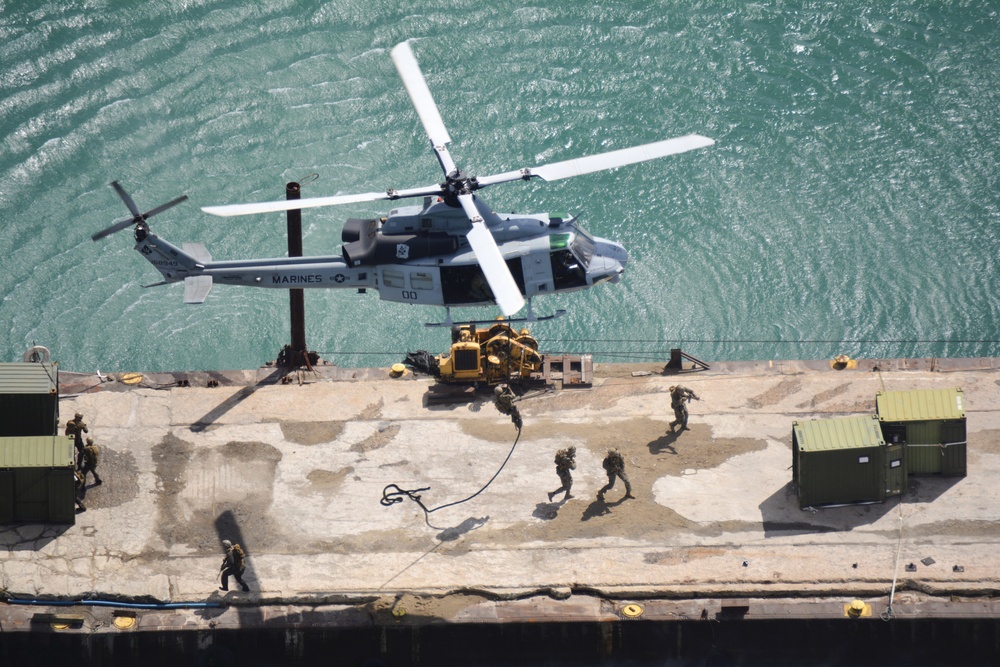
[
  {"x": 567, "y": 271},
  {"x": 466, "y": 285}
]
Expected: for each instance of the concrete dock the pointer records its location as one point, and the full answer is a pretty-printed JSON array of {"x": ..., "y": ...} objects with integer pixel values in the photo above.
[{"x": 295, "y": 472}]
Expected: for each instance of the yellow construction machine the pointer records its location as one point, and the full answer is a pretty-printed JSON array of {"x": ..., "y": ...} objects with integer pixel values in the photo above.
[{"x": 495, "y": 354}]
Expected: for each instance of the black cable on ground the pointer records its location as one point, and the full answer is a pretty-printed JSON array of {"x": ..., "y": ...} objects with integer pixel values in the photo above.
[{"x": 393, "y": 497}]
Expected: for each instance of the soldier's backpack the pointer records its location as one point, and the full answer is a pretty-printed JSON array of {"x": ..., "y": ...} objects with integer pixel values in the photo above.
[
  {"x": 239, "y": 558},
  {"x": 90, "y": 455}
]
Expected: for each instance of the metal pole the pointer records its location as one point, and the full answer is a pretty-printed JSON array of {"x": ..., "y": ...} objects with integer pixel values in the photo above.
[{"x": 296, "y": 297}]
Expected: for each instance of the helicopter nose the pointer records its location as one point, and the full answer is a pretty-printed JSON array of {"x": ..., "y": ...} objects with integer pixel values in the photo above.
[
  {"x": 613, "y": 253},
  {"x": 608, "y": 262}
]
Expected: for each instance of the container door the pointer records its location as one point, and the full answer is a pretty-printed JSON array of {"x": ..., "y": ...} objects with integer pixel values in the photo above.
[
  {"x": 6, "y": 496},
  {"x": 895, "y": 470},
  {"x": 31, "y": 495},
  {"x": 924, "y": 442},
  {"x": 953, "y": 439}
]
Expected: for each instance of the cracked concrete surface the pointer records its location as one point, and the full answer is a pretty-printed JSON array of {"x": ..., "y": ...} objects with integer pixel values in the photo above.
[{"x": 296, "y": 473}]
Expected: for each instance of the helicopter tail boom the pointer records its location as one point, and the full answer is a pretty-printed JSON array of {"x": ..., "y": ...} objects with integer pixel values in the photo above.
[{"x": 176, "y": 264}]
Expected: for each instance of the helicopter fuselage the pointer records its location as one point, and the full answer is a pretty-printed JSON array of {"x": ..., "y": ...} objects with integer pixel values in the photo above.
[{"x": 418, "y": 255}]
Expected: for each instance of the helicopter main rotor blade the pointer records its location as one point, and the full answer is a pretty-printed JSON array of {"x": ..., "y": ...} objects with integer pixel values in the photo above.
[
  {"x": 602, "y": 161},
  {"x": 313, "y": 202},
  {"x": 163, "y": 207},
  {"x": 116, "y": 227},
  {"x": 423, "y": 101},
  {"x": 506, "y": 292},
  {"x": 133, "y": 209}
]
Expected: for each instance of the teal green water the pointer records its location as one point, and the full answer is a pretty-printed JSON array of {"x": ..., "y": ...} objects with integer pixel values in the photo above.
[{"x": 850, "y": 204}]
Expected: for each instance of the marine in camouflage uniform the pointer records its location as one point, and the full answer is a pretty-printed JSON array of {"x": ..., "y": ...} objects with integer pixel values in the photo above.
[
  {"x": 565, "y": 461},
  {"x": 503, "y": 399},
  {"x": 76, "y": 428},
  {"x": 614, "y": 465},
  {"x": 81, "y": 485},
  {"x": 90, "y": 455},
  {"x": 679, "y": 398},
  {"x": 234, "y": 563}
]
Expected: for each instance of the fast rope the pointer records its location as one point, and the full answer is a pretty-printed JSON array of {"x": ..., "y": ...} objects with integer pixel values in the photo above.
[
  {"x": 396, "y": 496},
  {"x": 889, "y": 614}
]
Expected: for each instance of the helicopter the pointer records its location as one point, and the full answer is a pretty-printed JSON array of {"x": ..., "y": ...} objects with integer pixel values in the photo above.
[{"x": 450, "y": 250}]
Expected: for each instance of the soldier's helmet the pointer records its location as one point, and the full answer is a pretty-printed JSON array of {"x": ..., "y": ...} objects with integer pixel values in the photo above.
[
  {"x": 572, "y": 451},
  {"x": 672, "y": 387},
  {"x": 90, "y": 441},
  {"x": 78, "y": 416},
  {"x": 227, "y": 543},
  {"x": 497, "y": 390}
]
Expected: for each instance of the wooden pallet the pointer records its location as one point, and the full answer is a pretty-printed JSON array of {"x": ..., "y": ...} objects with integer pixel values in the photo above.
[{"x": 568, "y": 370}]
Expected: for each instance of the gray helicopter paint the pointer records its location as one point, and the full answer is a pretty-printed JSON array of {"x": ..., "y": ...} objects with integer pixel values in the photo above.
[{"x": 439, "y": 217}]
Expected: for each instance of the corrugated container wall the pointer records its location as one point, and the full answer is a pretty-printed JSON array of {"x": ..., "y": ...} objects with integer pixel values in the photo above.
[
  {"x": 839, "y": 461},
  {"x": 29, "y": 399},
  {"x": 36, "y": 480},
  {"x": 931, "y": 423}
]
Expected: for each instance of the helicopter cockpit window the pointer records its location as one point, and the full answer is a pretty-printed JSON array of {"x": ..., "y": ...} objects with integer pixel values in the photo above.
[{"x": 583, "y": 246}]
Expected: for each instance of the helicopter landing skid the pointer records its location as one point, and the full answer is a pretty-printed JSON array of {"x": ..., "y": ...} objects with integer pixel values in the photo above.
[{"x": 530, "y": 317}]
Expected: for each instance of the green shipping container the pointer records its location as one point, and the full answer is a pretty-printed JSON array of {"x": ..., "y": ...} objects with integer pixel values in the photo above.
[
  {"x": 931, "y": 424},
  {"x": 844, "y": 460},
  {"x": 36, "y": 480},
  {"x": 29, "y": 399}
]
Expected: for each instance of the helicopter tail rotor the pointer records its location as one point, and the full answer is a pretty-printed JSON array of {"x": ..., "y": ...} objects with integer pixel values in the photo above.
[{"x": 137, "y": 217}]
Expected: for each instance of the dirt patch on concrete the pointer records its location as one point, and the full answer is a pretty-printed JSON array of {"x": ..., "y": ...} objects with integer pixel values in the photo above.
[
  {"x": 409, "y": 609},
  {"x": 382, "y": 437},
  {"x": 120, "y": 475},
  {"x": 372, "y": 411},
  {"x": 650, "y": 451},
  {"x": 311, "y": 433},
  {"x": 824, "y": 396},
  {"x": 775, "y": 394},
  {"x": 250, "y": 450},
  {"x": 214, "y": 493},
  {"x": 327, "y": 480}
]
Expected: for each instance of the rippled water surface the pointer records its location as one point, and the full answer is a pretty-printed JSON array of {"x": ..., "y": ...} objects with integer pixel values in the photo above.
[{"x": 850, "y": 204}]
